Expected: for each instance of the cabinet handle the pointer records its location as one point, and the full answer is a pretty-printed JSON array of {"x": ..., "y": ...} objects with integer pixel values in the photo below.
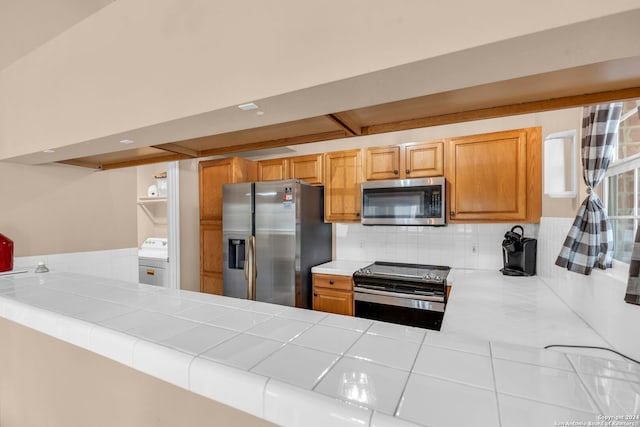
[
  {"x": 331, "y": 282},
  {"x": 408, "y": 171},
  {"x": 452, "y": 213},
  {"x": 315, "y": 295},
  {"x": 395, "y": 171},
  {"x": 357, "y": 213}
]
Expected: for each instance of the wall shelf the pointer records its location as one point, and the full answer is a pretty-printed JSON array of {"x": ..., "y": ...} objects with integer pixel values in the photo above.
[{"x": 155, "y": 208}]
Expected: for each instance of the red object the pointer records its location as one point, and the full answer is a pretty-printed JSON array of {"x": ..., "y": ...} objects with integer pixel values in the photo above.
[{"x": 6, "y": 253}]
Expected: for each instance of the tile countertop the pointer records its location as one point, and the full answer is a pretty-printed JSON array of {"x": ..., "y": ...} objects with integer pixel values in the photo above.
[
  {"x": 300, "y": 367},
  {"x": 340, "y": 267}
]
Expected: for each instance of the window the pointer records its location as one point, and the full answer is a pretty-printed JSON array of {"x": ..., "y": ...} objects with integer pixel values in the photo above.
[{"x": 622, "y": 180}]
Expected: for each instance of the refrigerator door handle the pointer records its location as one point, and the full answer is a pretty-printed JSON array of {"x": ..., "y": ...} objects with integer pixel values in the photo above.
[{"x": 250, "y": 270}]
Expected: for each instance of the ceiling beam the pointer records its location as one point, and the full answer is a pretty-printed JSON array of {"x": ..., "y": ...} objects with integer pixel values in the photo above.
[
  {"x": 80, "y": 163},
  {"x": 145, "y": 161},
  {"x": 177, "y": 149},
  {"x": 346, "y": 122},
  {"x": 302, "y": 139},
  {"x": 505, "y": 110}
]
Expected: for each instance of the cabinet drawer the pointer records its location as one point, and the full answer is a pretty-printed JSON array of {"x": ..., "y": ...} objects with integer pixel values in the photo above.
[{"x": 332, "y": 281}]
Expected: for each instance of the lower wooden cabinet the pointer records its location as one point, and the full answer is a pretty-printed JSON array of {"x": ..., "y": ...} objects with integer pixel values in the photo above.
[
  {"x": 333, "y": 294},
  {"x": 211, "y": 283}
]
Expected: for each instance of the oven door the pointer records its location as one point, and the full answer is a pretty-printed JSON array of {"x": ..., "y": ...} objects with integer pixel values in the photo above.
[{"x": 403, "y": 309}]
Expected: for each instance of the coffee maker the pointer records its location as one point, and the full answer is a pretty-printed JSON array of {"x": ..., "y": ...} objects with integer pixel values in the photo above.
[{"x": 518, "y": 253}]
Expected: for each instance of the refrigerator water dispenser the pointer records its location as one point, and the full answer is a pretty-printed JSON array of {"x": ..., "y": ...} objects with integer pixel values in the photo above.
[{"x": 236, "y": 253}]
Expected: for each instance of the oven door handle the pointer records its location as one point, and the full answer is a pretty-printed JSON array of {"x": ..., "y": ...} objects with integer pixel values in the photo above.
[{"x": 398, "y": 294}]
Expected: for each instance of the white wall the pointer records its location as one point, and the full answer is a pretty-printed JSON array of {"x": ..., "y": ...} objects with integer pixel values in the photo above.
[
  {"x": 118, "y": 264},
  {"x": 452, "y": 245},
  {"x": 597, "y": 298}
]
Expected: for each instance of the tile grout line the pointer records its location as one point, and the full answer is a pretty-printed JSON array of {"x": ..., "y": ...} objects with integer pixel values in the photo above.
[
  {"x": 413, "y": 365},
  {"x": 584, "y": 386},
  {"x": 341, "y": 357},
  {"x": 264, "y": 398},
  {"x": 495, "y": 383}
]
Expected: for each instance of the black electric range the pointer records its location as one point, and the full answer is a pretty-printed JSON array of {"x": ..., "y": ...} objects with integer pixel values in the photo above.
[{"x": 407, "y": 294}]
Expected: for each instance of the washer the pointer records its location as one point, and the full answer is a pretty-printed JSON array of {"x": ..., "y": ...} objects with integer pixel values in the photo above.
[{"x": 153, "y": 262}]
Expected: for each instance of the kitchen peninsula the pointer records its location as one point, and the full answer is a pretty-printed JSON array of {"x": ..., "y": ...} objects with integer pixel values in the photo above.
[{"x": 298, "y": 367}]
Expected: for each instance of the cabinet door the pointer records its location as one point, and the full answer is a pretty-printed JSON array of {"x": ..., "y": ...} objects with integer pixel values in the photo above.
[
  {"x": 333, "y": 281},
  {"x": 488, "y": 177},
  {"x": 307, "y": 168},
  {"x": 212, "y": 175},
  {"x": 333, "y": 301},
  {"x": 424, "y": 159},
  {"x": 211, "y": 248},
  {"x": 211, "y": 283},
  {"x": 273, "y": 169},
  {"x": 343, "y": 175},
  {"x": 382, "y": 163}
]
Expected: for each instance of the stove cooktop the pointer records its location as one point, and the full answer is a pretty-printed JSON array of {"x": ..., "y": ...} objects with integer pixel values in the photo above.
[{"x": 401, "y": 272}]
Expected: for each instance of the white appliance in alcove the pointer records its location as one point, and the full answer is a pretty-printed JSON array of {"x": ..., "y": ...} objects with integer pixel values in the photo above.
[
  {"x": 153, "y": 262},
  {"x": 162, "y": 211}
]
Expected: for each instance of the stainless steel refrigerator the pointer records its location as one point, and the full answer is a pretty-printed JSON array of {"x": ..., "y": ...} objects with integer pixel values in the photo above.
[{"x": 273, "y": 232}]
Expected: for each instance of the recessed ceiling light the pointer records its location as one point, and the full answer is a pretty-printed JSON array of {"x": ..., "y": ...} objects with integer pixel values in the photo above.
[
  {"x": 127, "y": 141},
  {"x": 49, "y": 151},
  {"x": 248, "y": 106},
  {"x": 259, "y": 113}
]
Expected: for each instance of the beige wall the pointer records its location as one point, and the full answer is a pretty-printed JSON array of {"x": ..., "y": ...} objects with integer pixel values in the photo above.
[
  {"x": 55, "y": 209},
  {"x": 47, "y": 382},
  {"x": 138, "y": 63}
]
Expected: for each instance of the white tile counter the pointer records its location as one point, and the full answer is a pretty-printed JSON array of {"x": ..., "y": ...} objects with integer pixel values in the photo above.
[
  {"x": 297, "y": 367},
  {"x": 340, "y": 267}
]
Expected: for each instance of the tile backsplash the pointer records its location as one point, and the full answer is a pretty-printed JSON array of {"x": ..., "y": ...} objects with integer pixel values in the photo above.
[{"x": 455, "y": 245}]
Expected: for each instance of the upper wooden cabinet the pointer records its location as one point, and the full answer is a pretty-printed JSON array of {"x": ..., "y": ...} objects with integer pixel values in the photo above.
[
  {"x": 343, "y": 175},
  {"x": 305, "y": 168},
  {"x": 411, "y": 160},
  {"x": 495, "y": 177},
  {"x": 213, "y": 175},
  {"x": 273, "y": 169}
]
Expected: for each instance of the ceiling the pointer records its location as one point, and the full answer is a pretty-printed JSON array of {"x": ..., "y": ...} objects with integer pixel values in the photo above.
[
  {"x": 600, "y": 82},
  {"x": 28, "y": 24}
]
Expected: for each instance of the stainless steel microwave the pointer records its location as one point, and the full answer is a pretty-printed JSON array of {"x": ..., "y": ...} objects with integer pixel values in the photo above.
[{"x": 404, "y": 202}]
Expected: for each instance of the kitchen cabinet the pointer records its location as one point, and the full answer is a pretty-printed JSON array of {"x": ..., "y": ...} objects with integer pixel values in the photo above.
[
  {"x": 273, "y": 169},
  {"x": 411, "y": 160},
  {"x": 495, "y": 177},
  {"x": 343, "y": 175},
  {"x": 213, "y": 174},
  {"x": 333, "y": 294},
  {"x": 305, "y": 168}
]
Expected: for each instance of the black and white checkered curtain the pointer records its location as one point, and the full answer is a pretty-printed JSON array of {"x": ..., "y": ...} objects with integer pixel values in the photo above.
[
  {"x": 633, "y": 286},
  {"x": 589, "y": 243}
]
